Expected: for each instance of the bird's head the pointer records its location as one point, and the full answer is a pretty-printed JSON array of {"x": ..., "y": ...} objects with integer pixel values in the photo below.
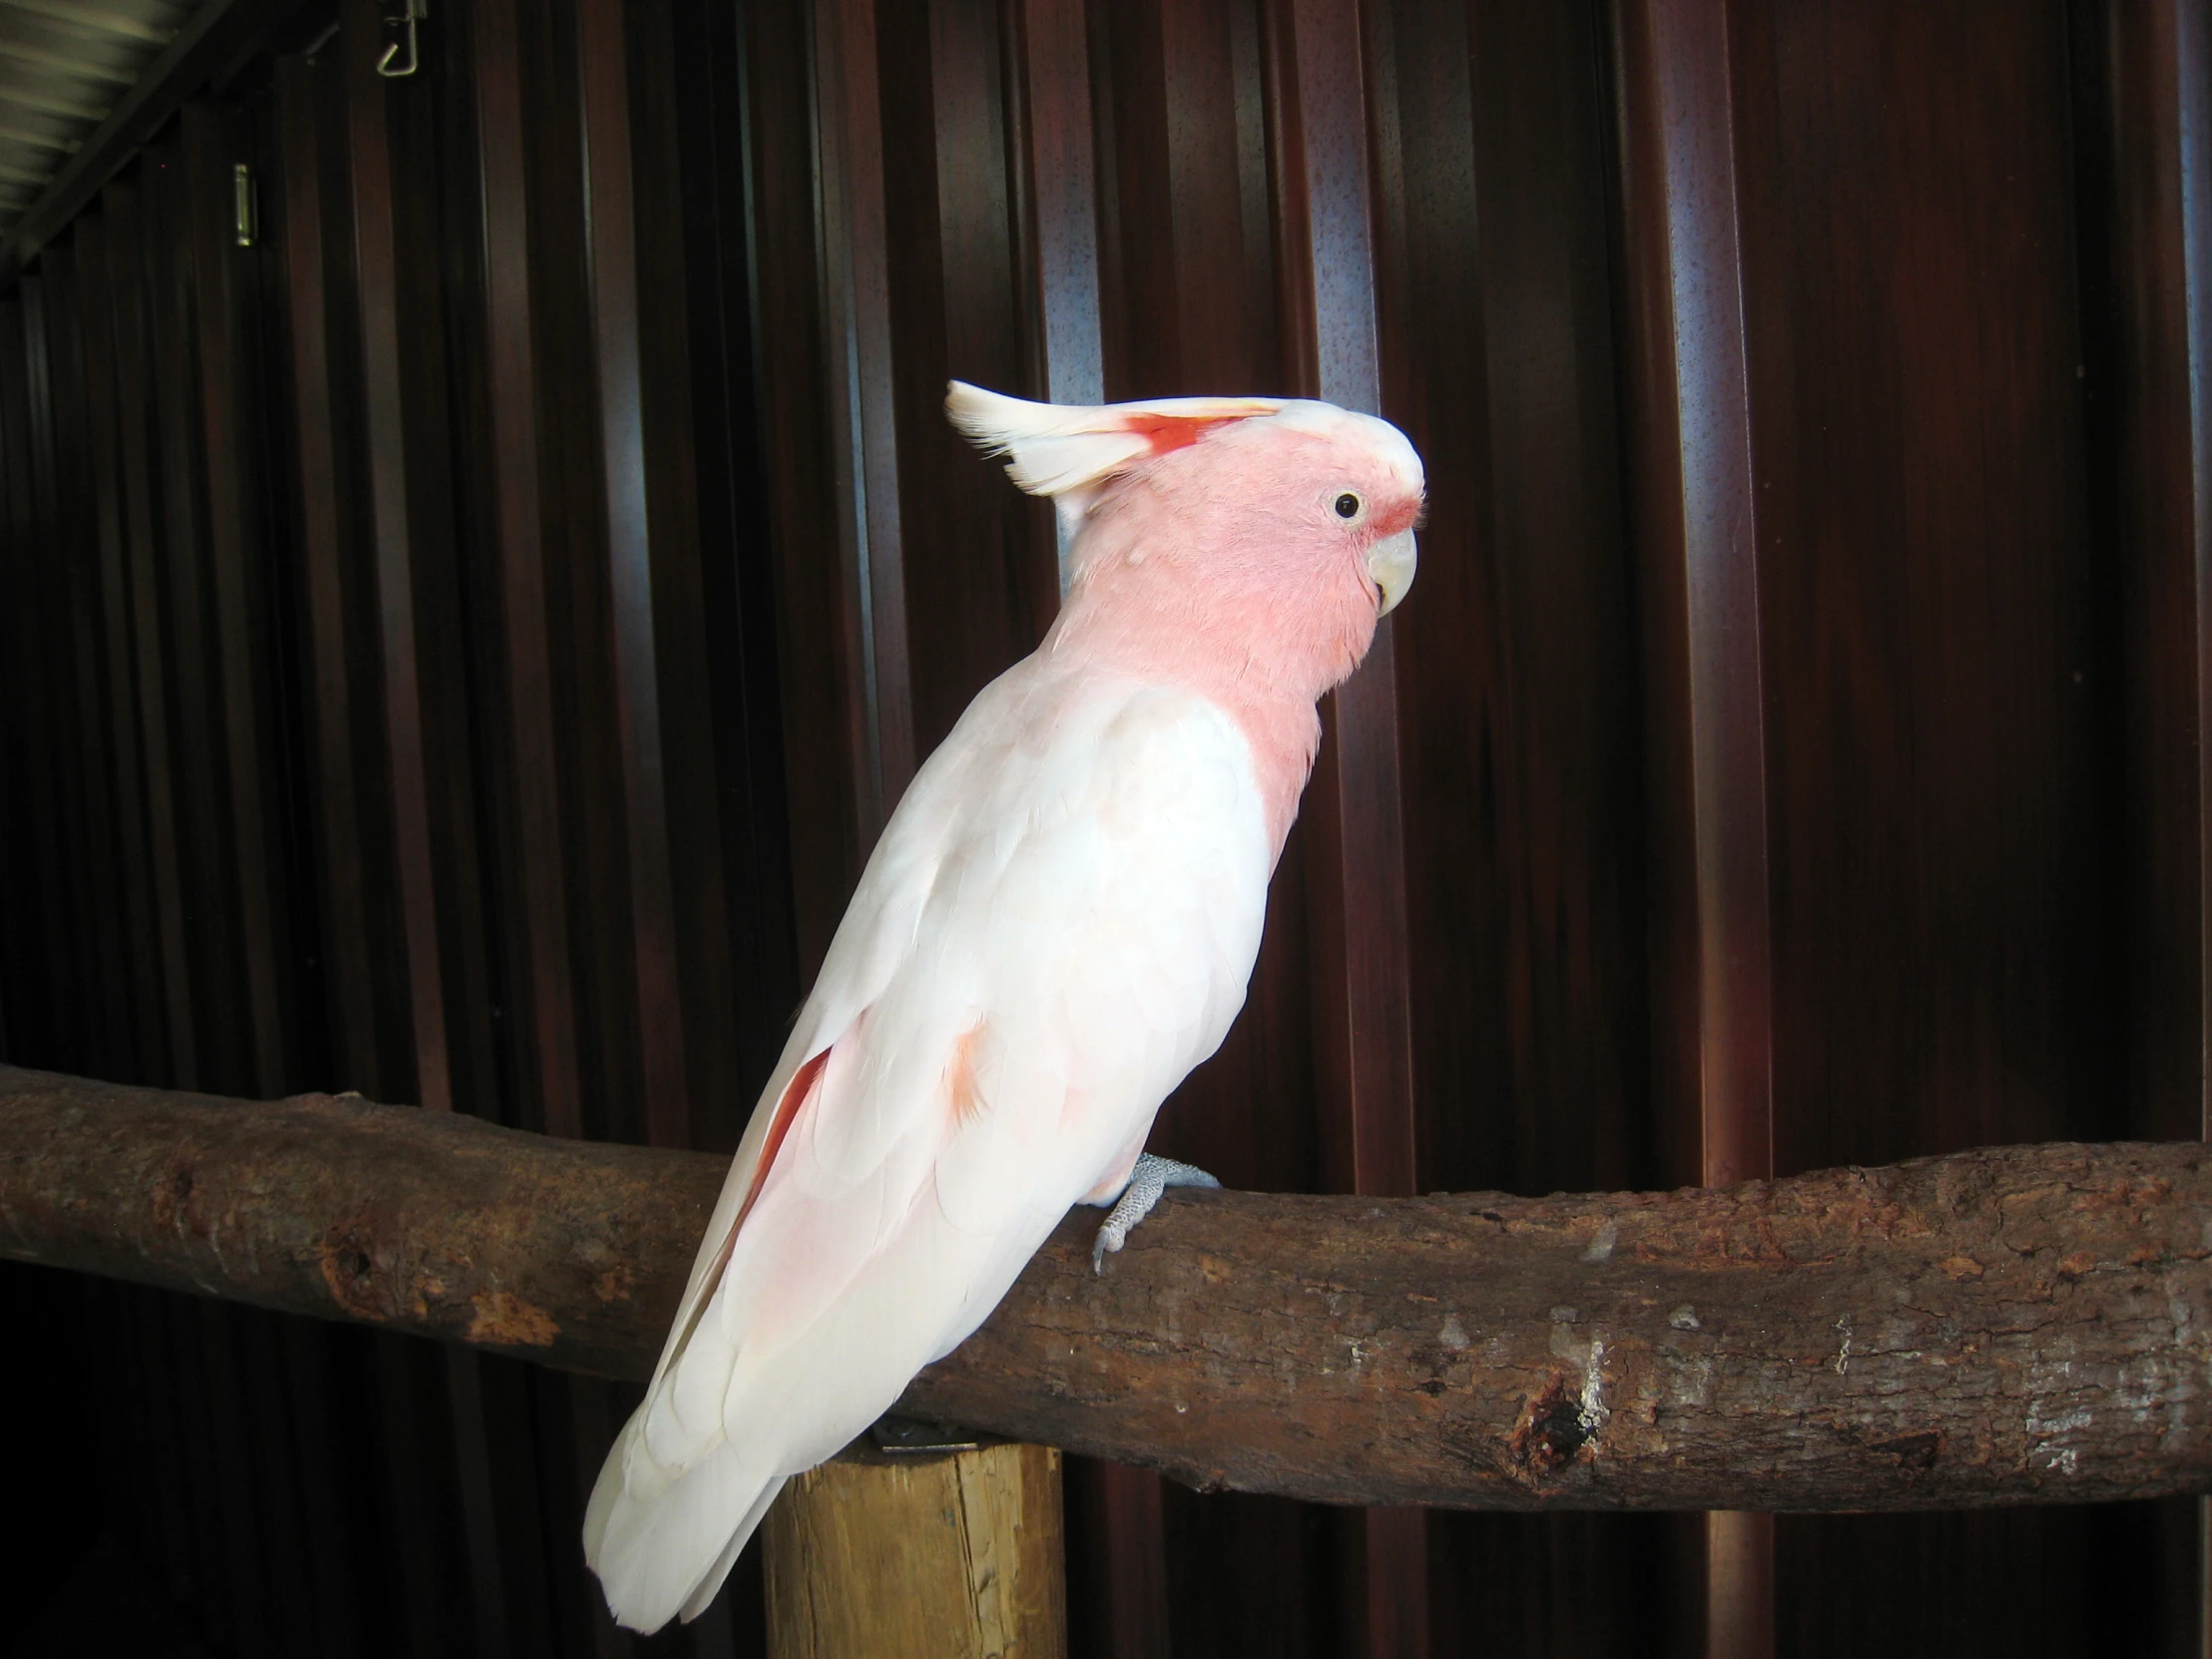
[{"x": 1267, "y": 536}]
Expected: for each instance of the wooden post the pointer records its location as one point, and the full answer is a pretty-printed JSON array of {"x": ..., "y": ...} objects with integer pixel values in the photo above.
[{"x": 956, "y": 1557}]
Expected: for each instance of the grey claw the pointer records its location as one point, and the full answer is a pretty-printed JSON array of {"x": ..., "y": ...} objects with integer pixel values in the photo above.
[{"x": 1147, "y": 1181}]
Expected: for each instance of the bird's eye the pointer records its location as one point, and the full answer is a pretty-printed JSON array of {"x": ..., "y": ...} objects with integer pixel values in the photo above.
[{"x": 1347, "y": 505}]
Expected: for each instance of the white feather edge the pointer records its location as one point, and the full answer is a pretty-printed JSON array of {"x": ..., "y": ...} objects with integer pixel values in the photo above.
[{"x": 1058, "y": 449}]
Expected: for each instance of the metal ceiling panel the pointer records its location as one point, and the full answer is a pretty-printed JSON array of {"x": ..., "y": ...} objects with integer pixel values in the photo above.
[{"x": 64, "y": 65}]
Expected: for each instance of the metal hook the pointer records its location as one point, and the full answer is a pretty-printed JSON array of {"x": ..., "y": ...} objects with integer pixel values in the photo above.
[{"x": 416, "y": 11}]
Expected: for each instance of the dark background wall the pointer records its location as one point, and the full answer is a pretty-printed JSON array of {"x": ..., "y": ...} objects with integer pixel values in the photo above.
[{"x": 461, "y": 646}]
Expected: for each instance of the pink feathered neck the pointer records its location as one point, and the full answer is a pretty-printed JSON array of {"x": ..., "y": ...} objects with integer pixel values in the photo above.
[{"x": 1182, "y": 580}]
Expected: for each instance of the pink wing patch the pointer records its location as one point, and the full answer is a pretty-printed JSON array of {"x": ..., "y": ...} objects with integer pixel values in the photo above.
[
  {"x": 963, "y": 1095},
  {"x": 797, "y": 1093}
]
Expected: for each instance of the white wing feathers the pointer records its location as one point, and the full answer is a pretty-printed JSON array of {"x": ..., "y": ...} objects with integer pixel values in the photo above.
[{"x": 1059, "y": 922}]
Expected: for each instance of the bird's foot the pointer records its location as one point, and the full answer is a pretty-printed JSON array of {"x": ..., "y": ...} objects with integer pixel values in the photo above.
[{"x": 1147, "y": 1181}]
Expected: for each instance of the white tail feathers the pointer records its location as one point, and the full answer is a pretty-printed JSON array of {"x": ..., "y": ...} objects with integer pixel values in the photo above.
[
  {"x": 665, "y": 1555},
  {"x": 1062, "y": 449}
]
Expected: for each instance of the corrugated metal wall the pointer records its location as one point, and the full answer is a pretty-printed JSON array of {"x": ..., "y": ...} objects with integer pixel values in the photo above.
[
  {"x": 462, "y": 646},
  {"x": 393, "y": 648}
]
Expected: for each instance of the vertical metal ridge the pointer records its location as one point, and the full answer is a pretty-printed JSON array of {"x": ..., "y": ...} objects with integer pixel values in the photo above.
[
  {"x": 1720, "y": 555},
  {"x": 2191, "y": 87},
  {"x": 1056, "y": 198},
  {"x": 1062, "y": 210},
  {"x": 352, "y": 999},
  {"x": 855, "y": 305},
  {"x": 56, "y": 388},
  {"x": 611, "y": 260},
  {"x": 385, "y": 440},
  {"x": 123, "y": 216},
  {"x": 1693, "y": 443},
  {"x": 97, "y": 330},
  {"x": 82, "y": 510},
  {"x": 513, "y": 392},
  {"x": 41, "y": 785},
  {"x": 180, "y": 495},
  {"x": 2192, "y": 90},
  {"x": 229, "y": 477}
]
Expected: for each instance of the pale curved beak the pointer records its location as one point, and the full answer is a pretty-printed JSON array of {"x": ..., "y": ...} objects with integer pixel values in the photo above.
[{"x": 1390, "y": 563}]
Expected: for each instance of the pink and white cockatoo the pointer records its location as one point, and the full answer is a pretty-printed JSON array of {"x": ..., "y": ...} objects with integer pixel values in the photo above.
[{"x": 1058, "y": 924}]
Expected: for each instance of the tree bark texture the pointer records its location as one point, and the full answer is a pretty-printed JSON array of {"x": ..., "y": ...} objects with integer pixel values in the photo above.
[{"x": 2016, "y": 1324}]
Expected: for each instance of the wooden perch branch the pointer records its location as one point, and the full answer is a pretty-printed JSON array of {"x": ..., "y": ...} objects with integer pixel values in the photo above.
[{"x": 2011, "y": 1325}]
